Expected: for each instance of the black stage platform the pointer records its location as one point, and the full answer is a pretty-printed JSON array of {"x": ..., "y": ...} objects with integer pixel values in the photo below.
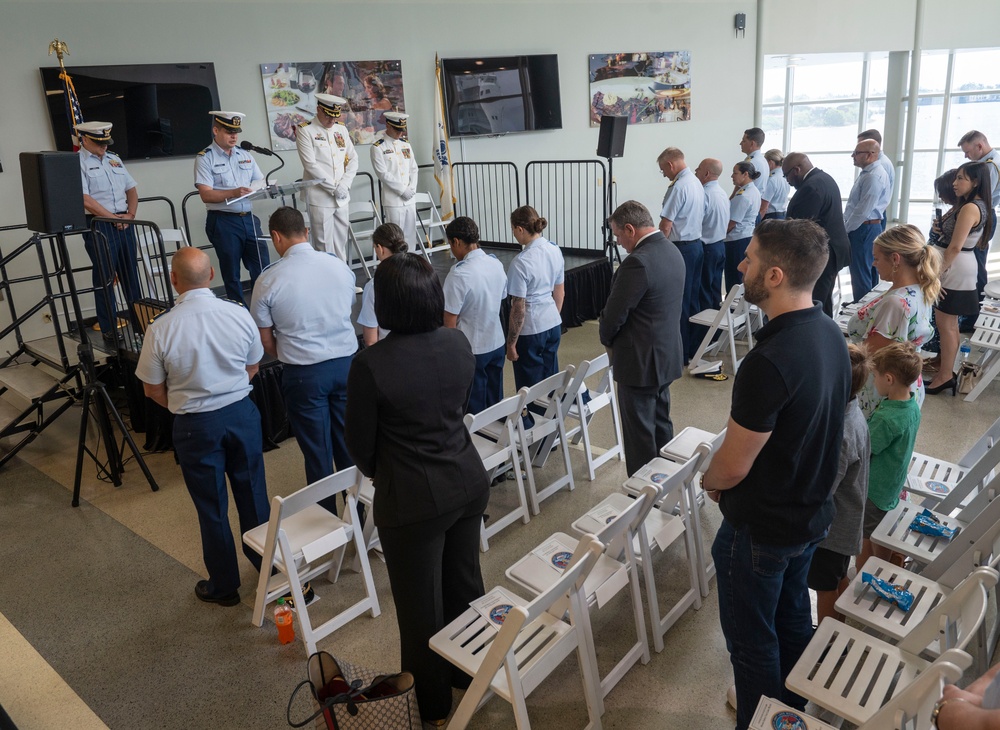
[{"x": 588, "y": 282}]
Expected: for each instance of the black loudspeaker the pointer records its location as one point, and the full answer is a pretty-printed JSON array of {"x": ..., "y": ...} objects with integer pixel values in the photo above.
[
  {"x": 611, "y": 140},
  {"x": 53, "y": 192}
]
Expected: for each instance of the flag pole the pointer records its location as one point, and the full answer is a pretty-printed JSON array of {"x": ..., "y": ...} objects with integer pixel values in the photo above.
[{"x": 60, "y": 49}]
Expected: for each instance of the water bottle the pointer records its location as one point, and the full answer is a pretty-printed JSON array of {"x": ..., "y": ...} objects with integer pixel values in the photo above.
[
  {"x": 285, "y": 622},
  {"x": 965, "y": 350}
]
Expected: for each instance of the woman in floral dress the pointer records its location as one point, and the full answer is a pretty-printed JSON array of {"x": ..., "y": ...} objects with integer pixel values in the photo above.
[{"x": 903, "y": 313}]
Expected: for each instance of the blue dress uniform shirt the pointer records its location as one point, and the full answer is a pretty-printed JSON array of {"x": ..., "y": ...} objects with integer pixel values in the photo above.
[
  {"x": 760, "y": 164},
  {"x": 684, "y": 204},
  {"x": 533, "y": 274},
  {"x": 201, "y": 349},
  {"x": 106, "y": 180},
  {"x": 366, "y": 316},
  {"x": 890, "y": 169},
  {"x": 307, "y": 298},
  {"x": 776, "y": 192},
  {"x": 474, "y": 290},
  {"x": 221, "y": 171},
  {"x": 743, "y": 208},
  {"x": 869, "y": 197},
  {"x": 716, "y": 218}
]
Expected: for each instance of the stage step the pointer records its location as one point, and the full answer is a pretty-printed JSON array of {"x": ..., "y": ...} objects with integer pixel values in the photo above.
[
  {"x": 47, "y": 349},
  {"x": 8, "y": 414},
  {"x": 27, "y": 381}
]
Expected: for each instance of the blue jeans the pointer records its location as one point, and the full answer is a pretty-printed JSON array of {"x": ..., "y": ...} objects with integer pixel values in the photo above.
[
  {"x": 315, "y": 400},
  {"x": 735, "y": 253},
  {"x": 487, "y": 383},
  {"x": 693, "y": 254},
  {"x": 236, "y": 238},
  {"x": 765, "y": 614},
  {"x": 863, "y": 275}
]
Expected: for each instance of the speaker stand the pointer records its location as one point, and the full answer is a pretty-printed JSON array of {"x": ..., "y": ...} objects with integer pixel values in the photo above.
[
  {"x": 610, "y": 247},
  {"x": 94, "y": 393}
]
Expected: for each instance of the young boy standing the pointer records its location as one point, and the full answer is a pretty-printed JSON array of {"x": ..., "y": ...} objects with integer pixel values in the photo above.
[{"x": 893, "y": 427}]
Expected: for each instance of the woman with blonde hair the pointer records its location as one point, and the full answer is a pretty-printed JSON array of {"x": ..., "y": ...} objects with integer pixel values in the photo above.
[
  {"x": 903, "y": 313},
  {"x": 774, "y": 196}
]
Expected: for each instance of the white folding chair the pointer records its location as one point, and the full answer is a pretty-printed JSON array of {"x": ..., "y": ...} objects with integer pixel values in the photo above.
[
  {"x": 734, "y": 318},
  {"x": 364, "y": 219},
  {"x": 663, "y": 526},
  {"x": 498, "y": 454},
  {"x": 585, "y": 403},
  {"x": 929, "y": 477},
  {"x": 429, "y": 221},
  {"x": 158, "y": 280},
  {"x": 533, "y": 640},
  {"x": 617, "y": 528},
  {"x": 548, "y": 396},
  {"x": 852, "y": 674},
  {"x": 302, "y": 540},
  {"x": 987, "y": 338}
]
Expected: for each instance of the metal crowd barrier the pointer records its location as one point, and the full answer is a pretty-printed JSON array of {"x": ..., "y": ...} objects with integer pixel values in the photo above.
[{"x": 572, "y": 195}]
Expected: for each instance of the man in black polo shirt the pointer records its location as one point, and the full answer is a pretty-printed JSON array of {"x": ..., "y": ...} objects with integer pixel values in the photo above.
[{"x": 774, "y": 472}]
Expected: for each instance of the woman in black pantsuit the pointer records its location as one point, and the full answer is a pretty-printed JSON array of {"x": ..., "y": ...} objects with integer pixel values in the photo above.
[{"x": 406, "y": 398}]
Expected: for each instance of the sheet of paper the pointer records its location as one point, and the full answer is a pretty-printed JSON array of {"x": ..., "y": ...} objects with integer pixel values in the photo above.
[
  {"x": 494, "y": 606},
  {"x": 554, "y": 554},
  {"x": 604, "y": 514},
  {"x": 772, "y": 714},
  {"x": 655, "y": 472}
]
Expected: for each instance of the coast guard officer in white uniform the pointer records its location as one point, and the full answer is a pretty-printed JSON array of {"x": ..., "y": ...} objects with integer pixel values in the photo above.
[
  {"x": 223, "y": 171},
  {"x": 197, "y": 360},
  {"x": 473, "y": 293},
  {"x": 327, "y": 154},
  {"x": 302, "y": 305},
  {"x": 396, "y": 166}
]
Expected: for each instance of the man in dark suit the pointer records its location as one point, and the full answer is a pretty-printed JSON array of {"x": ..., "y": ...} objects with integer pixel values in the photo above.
[
  {"x": 817, "y": 197},
  {"x": 640, "y": 326}
]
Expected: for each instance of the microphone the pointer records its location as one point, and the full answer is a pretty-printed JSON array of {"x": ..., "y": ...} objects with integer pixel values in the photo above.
[{"x": 250, "y": 146}]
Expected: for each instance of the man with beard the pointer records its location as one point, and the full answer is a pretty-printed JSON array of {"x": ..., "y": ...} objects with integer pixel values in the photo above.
[{"x": 774, "y": 473}]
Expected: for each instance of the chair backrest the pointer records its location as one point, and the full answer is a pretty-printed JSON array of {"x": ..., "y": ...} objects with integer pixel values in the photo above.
[
  {"x": 422, "y": 199},
  {"x": 984, "y": 444},
  {"x": 957, "y": 618},
  {"x": 588, "y": 550},
  {"x": 672, "y": 489},
  {"x": 985, "y": 550},
  {"x": 589, "y": 368},
  {"x": 985, "y": 522},
  {"x": 550, "y": 391},
  {"x": 978, "y": 477},
  {"x": 628, "y": 522},
  {"x": 912, "y": 708},
  {"x": 342, "y": 481},
  {"x": 504, "y": 411}
]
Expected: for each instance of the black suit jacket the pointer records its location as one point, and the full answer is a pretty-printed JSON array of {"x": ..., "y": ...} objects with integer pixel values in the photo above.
[
  {"x": 818, "y": 198},
  {"x": 404, "y": 427},
  {"x": 640, "y": 324}
]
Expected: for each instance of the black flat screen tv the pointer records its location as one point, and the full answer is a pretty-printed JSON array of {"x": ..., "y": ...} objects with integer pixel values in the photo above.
[
  {"x": 158, "y": 110},
  {"x": 501, "y": 94}
]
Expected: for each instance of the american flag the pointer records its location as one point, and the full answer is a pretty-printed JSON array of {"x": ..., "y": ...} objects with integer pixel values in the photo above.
[{"x": 73, "y": 114}]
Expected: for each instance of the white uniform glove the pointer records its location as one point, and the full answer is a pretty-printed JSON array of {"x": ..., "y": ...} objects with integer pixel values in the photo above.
[
  {"x": 406, "y": 195},
  {"x": 341, "y": 193}
]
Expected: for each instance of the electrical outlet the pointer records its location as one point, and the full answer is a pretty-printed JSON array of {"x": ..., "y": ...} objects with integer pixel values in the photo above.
[{"x": 47, "y": 318}]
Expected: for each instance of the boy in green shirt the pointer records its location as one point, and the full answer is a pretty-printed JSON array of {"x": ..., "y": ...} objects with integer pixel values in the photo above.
[{"x": 893, "y": 427}]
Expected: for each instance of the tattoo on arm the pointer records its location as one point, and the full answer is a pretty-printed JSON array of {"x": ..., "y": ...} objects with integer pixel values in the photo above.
[{"x": 517, "y": 311}]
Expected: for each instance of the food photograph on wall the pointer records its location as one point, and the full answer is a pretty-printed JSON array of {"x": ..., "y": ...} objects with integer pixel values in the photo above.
[
  {"x": 370, "y": 87},
  {"x": 648, "y": 88}
]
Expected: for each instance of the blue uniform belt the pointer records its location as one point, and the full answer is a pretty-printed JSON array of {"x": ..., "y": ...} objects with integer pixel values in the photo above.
[
  {"x": 694, "y": 240},
  {"x": 230, "y": 212}
]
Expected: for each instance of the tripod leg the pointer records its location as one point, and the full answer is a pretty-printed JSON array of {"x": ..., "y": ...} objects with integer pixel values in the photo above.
[
  {"x": 84, "y": 417},
  {"x": 103, "y": 405},
  {"x": 128, "y": 438}
]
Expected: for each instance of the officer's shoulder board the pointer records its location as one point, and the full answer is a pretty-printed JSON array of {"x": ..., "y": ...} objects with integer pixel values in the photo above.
[
  {"x": 492, "y": 256},
  {"x": 204, "y": 151},
  {"x": 379, "y": 141},
  {"x": 269, "y": 266},
  {"x": 305, "y": 123},
  {"x": 241, "y": 305}
]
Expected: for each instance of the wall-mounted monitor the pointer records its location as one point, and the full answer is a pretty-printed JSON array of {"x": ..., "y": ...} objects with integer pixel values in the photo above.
[
  {"x": 501, "y": 94},
  {"x": 158, "y": 110}
]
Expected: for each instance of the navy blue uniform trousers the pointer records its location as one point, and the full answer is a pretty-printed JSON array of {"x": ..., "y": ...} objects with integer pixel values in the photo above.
[{"x": 236, "y": 238}]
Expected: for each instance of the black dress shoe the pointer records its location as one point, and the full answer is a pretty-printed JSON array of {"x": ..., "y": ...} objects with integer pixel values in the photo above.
[
  {"x": 947, "y": 385},
  {"x": 203, "y": 594}
]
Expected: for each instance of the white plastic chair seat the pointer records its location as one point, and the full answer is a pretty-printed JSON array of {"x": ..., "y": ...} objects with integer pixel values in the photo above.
[
  {"x": 549, "y": 427},
  {"x": 924, "y": 469},
  {"x": 894, "y": 533},
  {"x": 682, "y": 446},
  {"x": 312, "y": 533}
]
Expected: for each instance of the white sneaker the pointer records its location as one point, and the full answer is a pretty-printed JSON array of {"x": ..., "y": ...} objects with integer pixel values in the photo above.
[{"x": 731, "y": 696}]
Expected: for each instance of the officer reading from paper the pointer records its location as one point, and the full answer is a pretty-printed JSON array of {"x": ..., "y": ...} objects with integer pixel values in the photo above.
[
  {"x": 327, "y": 154},
  {"x": 396, "y": 167},
  {"x": 224, "y": 172},
  {"x": 108, "y": 192}
]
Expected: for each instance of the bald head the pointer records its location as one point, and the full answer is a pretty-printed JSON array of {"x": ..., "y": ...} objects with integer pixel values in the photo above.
[
  {"x": 708, "y": 169},
  {"x": 866, "y": 152},
  {"x": 796, "y": 166},
  {"x": 190, "y": 269}
]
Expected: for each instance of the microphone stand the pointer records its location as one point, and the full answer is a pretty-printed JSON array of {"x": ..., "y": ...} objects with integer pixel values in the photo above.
[{"x": 267, "y": 178}]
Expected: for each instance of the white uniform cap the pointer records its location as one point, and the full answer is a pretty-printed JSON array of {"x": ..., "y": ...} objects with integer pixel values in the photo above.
[{"x": 232, "y": 121}]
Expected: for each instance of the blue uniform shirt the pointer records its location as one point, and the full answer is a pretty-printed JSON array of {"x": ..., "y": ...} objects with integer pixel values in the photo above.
[
  {"x": 532, "y": 275},
  {"x": 890, "y": 169},
  {"x": 760, "y": 164},
  {"x": 474, "y": 290},
  {"x": 776, "y": 191},
  {"x": 743, "y": 208},
  {"x": 366, "y": 317},
  {"x": 716, "y": 219},
  {"x": 307, "y": 298},
  {"x": 106, "y": 180},
  {"x": 201, "y": 349},
  {"x": 684, "y": 204},
  {"x": 869, "y": 197},
  {"x": 221, "y": 171}
]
